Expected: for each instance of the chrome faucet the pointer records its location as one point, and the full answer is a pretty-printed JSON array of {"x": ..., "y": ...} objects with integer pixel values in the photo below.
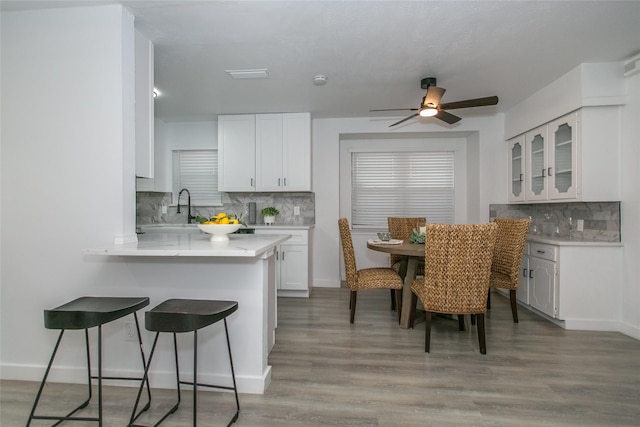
[{"x": 189, "y": 216}]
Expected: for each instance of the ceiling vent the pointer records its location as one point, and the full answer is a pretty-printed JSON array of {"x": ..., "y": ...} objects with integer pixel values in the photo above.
[
  {"x": 259, "y": 73},
  {"x": 632, "y": 66}
]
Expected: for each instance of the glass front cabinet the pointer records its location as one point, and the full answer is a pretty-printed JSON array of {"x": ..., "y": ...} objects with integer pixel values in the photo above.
[
  {"x": 543, "y": 162},
  {"x": 516, "y": 169}
]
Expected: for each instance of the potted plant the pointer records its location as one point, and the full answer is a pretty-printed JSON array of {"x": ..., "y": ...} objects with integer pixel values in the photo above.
[{"x": 269, "y": 215}]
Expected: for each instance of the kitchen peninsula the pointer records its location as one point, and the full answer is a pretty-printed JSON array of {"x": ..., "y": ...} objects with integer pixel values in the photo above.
[{"x": 188, "y": 265}]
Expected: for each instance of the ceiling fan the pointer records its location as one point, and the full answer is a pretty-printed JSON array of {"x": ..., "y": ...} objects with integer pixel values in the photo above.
[{"x": 431, "y": 107}]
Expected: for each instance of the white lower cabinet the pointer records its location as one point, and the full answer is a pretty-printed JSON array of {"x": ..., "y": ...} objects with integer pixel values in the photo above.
[
  {"x": 542, "y": 285},
  {"x": 538, "y": 278},
  {"x": 574, "y": 284},
  {"x": 292, "y": 262},
  {"x": 522, "y": 293}
]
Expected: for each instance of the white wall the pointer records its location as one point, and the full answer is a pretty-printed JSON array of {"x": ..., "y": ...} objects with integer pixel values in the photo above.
[
  {"x": 67, "y": 171},
  {"x": 630, "y": 196},
  {"x": 491, "y": 177}
]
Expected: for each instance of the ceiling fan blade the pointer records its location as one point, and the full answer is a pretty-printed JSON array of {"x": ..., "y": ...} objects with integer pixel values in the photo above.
[
  {"x": 396, "y": 109},
  {"x": 433, "y": 96},
  {"x": 404, "y": 120},
  {"x": 447, "y": 117},
  {"x": 478, "y": 102}
]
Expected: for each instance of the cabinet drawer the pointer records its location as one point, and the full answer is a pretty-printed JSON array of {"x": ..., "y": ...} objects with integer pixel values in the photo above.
[
  {"x": 298, "y": 237},
  {"x": 540, "y": 250}
]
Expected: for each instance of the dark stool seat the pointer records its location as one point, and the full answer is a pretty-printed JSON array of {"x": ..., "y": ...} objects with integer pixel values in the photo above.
[
  {"x": 188, "y": 315},
  {"x": 85, "y": 313},
  {"x": 88, "y": 312}
]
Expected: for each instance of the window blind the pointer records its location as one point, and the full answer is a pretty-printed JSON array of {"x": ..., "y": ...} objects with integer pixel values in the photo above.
[
  {"x": 197, "y": 171},
  {"x": 402, "y": 184}
]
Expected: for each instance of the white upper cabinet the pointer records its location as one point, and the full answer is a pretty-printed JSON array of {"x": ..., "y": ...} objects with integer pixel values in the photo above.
[
  {"x": 265, "y": 152},
  {"x": 536, "y": 170},
  {"x": 516, "y": 155},
  {"x": 543, "y": 163},
  {"x": 296, "y": 152},
  {"x": 236, "y": 152},
  {"x": 269, "y": 152},
  {"x": 144, "y": 109},
  {"x": 563, "y": 157}
]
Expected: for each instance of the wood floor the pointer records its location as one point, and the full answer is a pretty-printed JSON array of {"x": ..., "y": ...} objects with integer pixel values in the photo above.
[{"x": 327, "y": 372}]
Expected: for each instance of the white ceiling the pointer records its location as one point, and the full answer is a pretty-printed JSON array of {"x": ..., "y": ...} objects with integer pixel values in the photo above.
[{"x": 374, "y": 53}]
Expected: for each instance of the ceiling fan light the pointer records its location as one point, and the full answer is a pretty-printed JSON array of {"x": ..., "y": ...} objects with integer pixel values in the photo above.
[{"x": 428, "y": 112}]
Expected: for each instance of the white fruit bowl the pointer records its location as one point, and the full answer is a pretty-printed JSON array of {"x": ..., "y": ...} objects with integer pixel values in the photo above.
[{"x": 219, "y": 232}]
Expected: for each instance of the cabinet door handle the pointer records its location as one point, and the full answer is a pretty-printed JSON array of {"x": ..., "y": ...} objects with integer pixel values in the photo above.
[
  {"x": 277, "y": 256},
  {"x": 252, "y": 182},
  {"x": 285, "y": 182},
  {"x": 541, "y": 252},
  {"x": 521, "y": 177},
  {"x": 549, "y": 171},
  {"x": 524, "y": 272},
  {"x": 278, "y": 182},
  {"x": 283, "y": 255},
  {"x": 544, "y": 173},
  {"x": 530, "y": 274}
]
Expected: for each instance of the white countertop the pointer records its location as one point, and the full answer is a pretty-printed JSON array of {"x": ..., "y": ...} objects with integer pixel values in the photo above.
[
  {"x": 194, "y": 245},
  {"x": 184, "y": 228},
  {"x": 565, "y": 241},
  {"x": 281, "y": 226}
]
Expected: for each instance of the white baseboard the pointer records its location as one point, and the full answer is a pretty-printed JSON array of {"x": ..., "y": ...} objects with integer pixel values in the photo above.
[
  {"x": 326, "y": 283},
  {"x": 157, "y": 379},
  {"x": 591, "y": 325},
  {"x": 631, "y": 330}
]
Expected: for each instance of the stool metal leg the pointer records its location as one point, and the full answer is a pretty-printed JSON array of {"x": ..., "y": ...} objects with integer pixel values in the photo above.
[
  {"x": 67, "y": 417},
  {"x": 175, "y": 353},
  {"x": 145, "y": 380},
  {"x": 233, "y": 375},
  {"x": 195, "y": 377}
]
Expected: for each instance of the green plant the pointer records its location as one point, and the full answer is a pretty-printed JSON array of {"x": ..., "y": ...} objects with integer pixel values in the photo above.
[
  {"x": 416, "y": 237},
  {"x": 270, "y": 211}
]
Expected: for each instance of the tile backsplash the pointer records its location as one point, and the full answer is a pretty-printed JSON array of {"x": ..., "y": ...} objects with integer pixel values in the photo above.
[
  {"x": 149, "y": 207},
  {"x": 601, "y": 219}
]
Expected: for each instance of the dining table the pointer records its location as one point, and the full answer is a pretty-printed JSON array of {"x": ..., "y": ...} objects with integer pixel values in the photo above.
[{"x": 410, "y": 254}]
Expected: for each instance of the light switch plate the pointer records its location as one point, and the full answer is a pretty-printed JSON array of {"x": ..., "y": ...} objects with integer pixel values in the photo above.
[
  {"x": 580, "y": 225},
  {"x": 296, "y": 210}
]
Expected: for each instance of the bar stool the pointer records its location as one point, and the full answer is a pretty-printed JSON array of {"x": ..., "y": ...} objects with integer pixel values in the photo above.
[
  {"x": 187, "y": 315},
  {"x": 85, "y": 313}
]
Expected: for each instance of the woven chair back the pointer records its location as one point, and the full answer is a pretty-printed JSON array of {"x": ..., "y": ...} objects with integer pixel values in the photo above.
[
  {"x": 401, "y": 228},
  {"x": 348, "y": 252},
  {"x": 458, "y": 265},
  {"x": 510, "y": 242}
]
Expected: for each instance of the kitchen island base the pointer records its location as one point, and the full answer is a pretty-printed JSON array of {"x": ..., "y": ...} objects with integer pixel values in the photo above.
[{"x": 190, "y": 267}]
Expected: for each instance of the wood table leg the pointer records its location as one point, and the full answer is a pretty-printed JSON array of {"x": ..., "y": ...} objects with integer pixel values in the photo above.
[{"x": 409, "y": 277}]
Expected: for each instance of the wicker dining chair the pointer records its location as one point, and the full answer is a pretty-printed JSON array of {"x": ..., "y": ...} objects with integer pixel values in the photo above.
[
  {"x": 507, "y": 258},
  {"x": 456, "y": 277},
  {"x": 401, "y": 228},
  {"x": 366, "y": 278}
]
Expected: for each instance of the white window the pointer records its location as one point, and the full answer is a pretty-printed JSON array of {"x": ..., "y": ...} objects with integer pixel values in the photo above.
[
  {"x": 197, "y": 171},
  {"x": 408, "y": 183},
  {"x": 404, "y": 175}
]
